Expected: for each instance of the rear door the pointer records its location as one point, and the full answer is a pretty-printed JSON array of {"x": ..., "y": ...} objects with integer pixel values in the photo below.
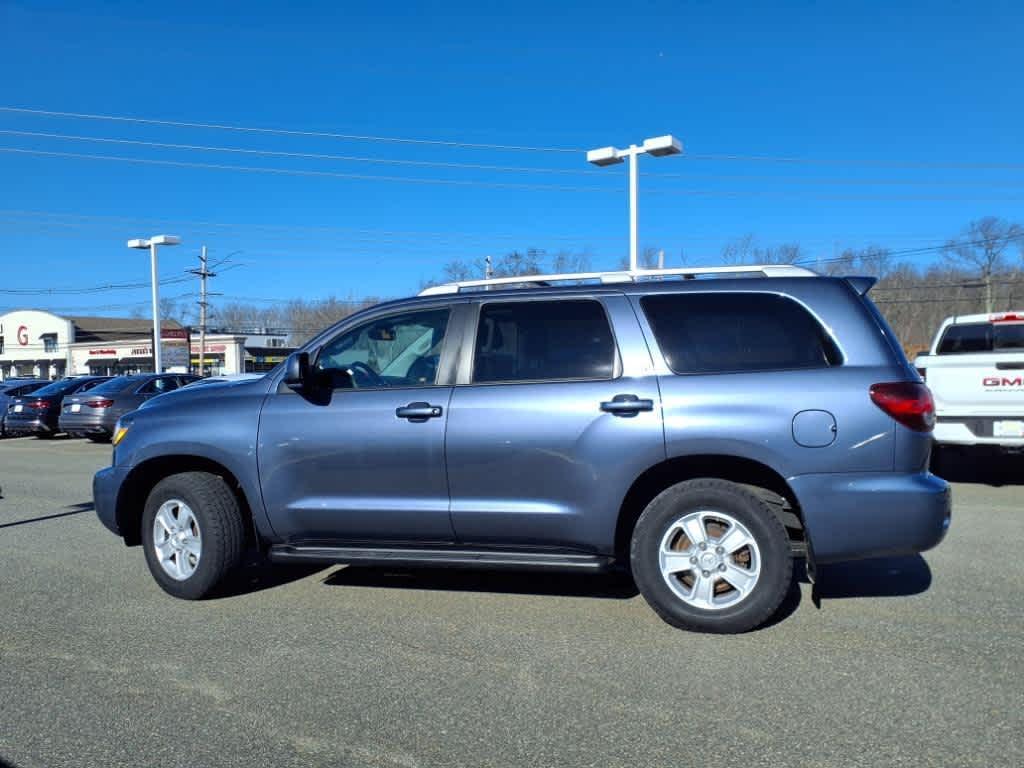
[
  {"x": 362, "y": 459},
  {"x": 754, "y": 374},
  {"x": 555, "y": 414}
]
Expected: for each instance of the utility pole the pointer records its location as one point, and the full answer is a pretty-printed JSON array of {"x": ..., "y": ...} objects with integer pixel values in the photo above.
[{"x": 203, "y": 273}]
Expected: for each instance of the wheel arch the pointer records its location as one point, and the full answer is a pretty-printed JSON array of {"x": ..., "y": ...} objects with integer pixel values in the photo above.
[
  {"x": 141, "y": 480},
  {"x": 754, "y": 475}
]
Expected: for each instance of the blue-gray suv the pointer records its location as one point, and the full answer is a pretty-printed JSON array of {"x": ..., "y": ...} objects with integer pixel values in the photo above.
[{"x": 700, "y": 432}]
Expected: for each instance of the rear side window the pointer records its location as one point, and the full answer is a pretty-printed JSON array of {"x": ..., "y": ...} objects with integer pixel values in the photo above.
[
  {"x": 115, "y": 385},
  {"x": 981, "y": 337},
  {"x": 59, "y": 387},
  {"x": 543, "y": 341},
  {"x": 163, "y": 384},
  {"x": 732, "y": 332}
]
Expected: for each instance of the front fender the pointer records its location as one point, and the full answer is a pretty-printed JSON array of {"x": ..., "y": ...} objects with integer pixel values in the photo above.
[{"x": 222, "y": 430}]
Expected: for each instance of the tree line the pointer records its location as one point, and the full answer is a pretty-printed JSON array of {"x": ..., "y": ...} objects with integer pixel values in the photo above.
[{"x": 981, "y": 269}]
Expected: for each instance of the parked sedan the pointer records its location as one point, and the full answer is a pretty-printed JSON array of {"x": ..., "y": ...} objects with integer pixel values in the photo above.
[
  {"x": 93, "y": 414},
  {"x": 226, "y": 378},
  {"x": 38, "y": 413},
  {"x": 12, "y": 388}
]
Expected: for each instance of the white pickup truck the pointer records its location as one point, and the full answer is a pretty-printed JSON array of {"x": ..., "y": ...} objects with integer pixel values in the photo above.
[{"x": 975, "y": 370}]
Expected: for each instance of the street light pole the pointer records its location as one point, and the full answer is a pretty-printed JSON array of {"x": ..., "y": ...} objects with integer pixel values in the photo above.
[
  {"x": 151, "y": 244},
  {"x": 659, "y": 146},
  {"x": 154, "y": 276},
  {"x": 634, "y": 194}
]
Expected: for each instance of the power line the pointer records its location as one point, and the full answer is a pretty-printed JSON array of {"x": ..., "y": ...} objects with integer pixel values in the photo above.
[
  {"x": 489, "y": 184},
  {"x": 288, "y": 132},
  {"x": 847, "y": 181},
  {"x": 288, "y": 228},
  {"x": 929, "y": 164},
  {"x": 302, "y": 155},
  {"x": 913, "y": 251},
  {"x": 301, "y": 172},
  {"x": 88, "y": 290},
  {"x": 712, "y": 157},
  {"x": 292, "y": 231}
]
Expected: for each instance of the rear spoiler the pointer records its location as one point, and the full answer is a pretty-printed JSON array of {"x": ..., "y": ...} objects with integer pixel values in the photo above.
[{"x": 862, "y": 284}]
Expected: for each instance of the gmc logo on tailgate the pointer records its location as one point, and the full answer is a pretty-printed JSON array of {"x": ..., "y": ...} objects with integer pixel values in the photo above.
[{"x": 1002, "y": 381}]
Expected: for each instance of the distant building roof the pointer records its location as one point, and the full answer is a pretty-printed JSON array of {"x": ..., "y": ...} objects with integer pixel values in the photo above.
[{"x": 114, "y": 328}]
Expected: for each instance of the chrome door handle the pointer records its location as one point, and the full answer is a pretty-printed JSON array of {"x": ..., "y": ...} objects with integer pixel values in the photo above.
[
  {"x": 626, "y": 405},
  {"x": 418, "y": 412}
]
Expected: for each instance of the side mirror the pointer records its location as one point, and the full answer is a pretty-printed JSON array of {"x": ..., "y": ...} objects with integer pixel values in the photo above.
[{"x": 296, "y": 370}]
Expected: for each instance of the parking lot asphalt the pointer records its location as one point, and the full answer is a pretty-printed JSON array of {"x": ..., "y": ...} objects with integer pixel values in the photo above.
[{"x": 909, "y": 661}]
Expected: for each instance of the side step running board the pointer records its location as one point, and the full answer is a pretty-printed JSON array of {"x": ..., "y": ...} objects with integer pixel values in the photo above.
[{"x": 447, "y": 558}]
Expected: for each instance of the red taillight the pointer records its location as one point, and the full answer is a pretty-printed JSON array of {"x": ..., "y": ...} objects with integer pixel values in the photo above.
[
  {"x": 38, "y": 405},
  {"x": 909, "y": 402},
  {"x": 100, "y": 403},
  {"x": 1007, "y": 317}
]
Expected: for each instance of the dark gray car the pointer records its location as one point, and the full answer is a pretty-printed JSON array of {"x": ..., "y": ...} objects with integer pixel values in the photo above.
[
  {"x": 93, "y": 414},
  {"x": 701, "y": 433},
  {"x": 12, "y": 388}
]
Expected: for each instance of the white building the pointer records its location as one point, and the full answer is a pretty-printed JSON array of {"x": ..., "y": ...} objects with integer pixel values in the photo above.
[
  {"x": 34, "y": 343},
  {"x": 41, "y": 344}
]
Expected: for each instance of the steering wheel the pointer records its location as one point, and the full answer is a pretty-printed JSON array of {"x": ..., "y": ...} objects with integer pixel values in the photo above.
[{"x": 366, "y": 371}]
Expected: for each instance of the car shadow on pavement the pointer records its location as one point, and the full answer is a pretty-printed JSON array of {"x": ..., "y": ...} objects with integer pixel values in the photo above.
[
  {"x": 608, "y": 586},
  {"x": 878, "y": 577},
  {"x": 978, "y": 466},
  {"x": 257, "y": 575},
  {"x": 71, "y": 509}
]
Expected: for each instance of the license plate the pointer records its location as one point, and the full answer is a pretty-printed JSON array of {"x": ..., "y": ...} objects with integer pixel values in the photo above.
[
  {"x": 76, "y": 407},
  {"x": 1008, "y": 428},
  {"x": 18, "y": 408}
]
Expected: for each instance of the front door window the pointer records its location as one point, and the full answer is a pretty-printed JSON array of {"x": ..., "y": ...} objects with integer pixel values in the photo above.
[{"x": 396, "y": 351}]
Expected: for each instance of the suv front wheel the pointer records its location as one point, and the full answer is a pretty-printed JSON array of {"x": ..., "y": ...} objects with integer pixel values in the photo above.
[
  {"x": 192, "y": 533},
  {"x": 710, "y": 556}
]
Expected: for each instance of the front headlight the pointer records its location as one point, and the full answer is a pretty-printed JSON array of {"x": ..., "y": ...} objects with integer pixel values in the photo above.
[{"x": 120, "y": 430}]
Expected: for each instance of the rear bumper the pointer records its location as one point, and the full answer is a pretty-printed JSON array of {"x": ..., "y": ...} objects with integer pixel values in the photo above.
[
  {"x": 18, "y": 423},
  {"x": 974, "y": 430},
  {"x": 850, "y": 516},
  {"x": 106, "y": 484},
  {"x": 86, "y": 424}
]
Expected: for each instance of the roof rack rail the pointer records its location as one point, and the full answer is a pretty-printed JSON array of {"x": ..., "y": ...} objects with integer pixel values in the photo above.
[{"x": 628, "y": 276}]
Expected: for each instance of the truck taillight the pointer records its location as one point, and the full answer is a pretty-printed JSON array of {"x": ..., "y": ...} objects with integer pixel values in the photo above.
[
  {"x": 909, "y": 402},
  {"x": 100, "y": 403},
  {"x": 1007, "y": 317}
]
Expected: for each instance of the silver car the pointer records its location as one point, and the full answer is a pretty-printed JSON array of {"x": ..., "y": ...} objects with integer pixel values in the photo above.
[{"x": 93, "y": 414}]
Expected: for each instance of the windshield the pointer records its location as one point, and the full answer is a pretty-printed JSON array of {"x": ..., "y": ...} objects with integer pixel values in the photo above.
[
  {"x": 981, "y": 337},
  {"x": 116, "y": 385}
]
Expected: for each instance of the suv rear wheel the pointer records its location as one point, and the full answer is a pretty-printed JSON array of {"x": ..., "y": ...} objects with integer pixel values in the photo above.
[
  {"x": 192, "y": 533},
  {"x": 710, "y": 556}
]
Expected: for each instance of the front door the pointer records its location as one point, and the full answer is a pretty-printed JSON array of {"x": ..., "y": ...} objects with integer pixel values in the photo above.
[
  {"x": 364, "y": 462},
  {"x": 556, "y": 419}
]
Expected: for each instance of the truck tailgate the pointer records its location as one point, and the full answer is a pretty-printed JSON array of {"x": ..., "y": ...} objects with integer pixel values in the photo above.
[{"x": 989, "y": 383}]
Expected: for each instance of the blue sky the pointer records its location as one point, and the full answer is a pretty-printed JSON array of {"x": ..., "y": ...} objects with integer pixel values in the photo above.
[{"x": 910, "y": 112}]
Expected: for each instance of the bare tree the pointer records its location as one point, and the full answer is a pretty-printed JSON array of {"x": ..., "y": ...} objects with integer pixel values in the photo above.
[
  {"x": 982, "y": 247},
  {"x": 171, "y": 309},
  {"x": 745, "y": 250}
]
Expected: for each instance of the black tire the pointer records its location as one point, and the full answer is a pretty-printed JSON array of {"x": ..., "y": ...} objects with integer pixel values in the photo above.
[
  {"x": 670, "y": 505},
  {"x": 220, "y": 521}
]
